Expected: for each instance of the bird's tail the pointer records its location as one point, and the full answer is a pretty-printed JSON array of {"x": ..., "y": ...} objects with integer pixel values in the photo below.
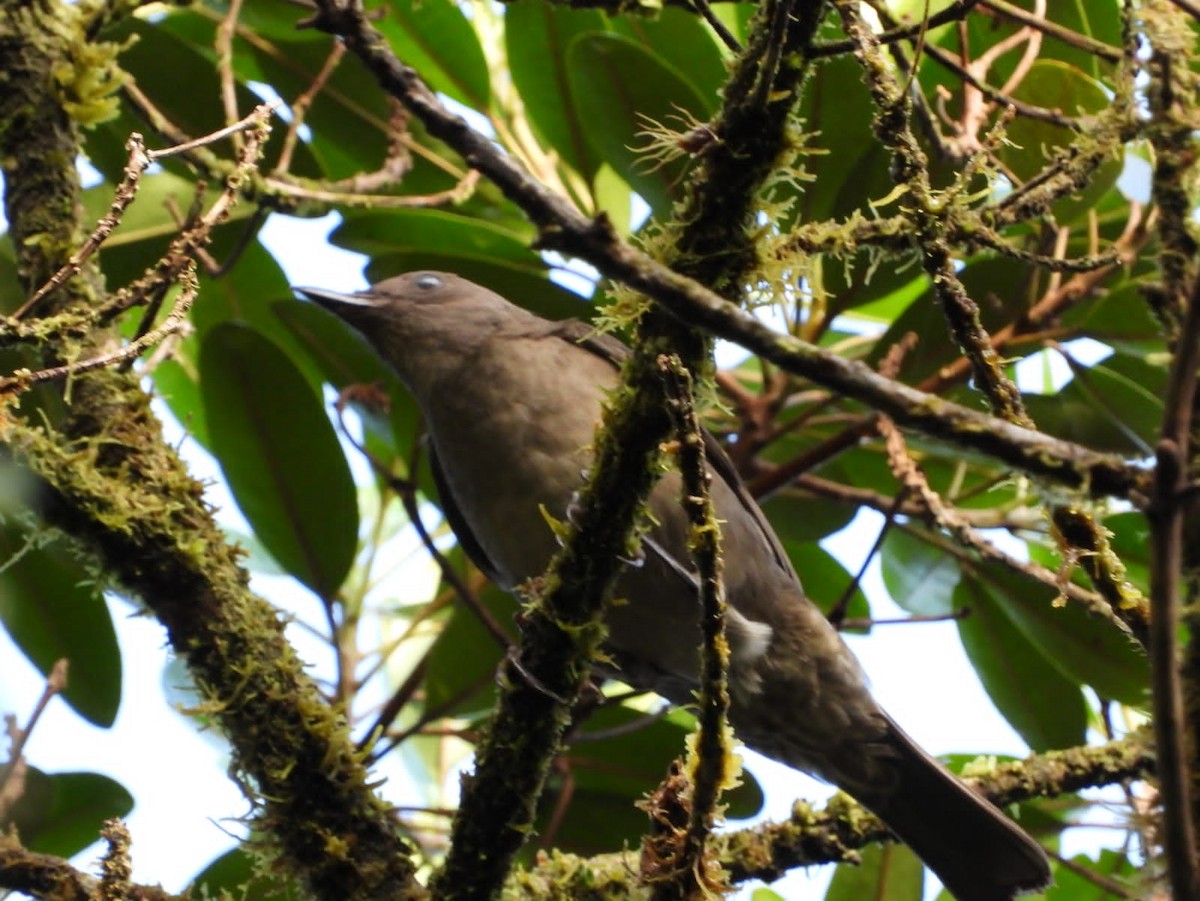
[{"x": 977, "y": 852}]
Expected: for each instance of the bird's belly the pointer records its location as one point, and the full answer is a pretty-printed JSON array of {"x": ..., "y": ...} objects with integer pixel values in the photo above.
[{"x": 517, "y": 473}]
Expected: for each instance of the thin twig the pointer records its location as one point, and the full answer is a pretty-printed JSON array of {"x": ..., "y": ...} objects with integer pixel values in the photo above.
[
  {"x": 1088, "y": 44},
  {"x": 956, "y": 11},
  {"x": 711, "y": 760},
  {"x": 837, "y": 613},
  {"x": 1166, "y": 519},
  {"x": 255, "y": 119},
  {"x": 223, "y": 44},
  {"x": 301, "y": 105},
  {"x": 1111, "y": 887},
  {"x": 456, "y": 194},
  {"x": 915, "y": 619},
  {"x": 123, "y": 195},
  {"x": 56, "y": 683},
  {"x": 717, "y": 25},
  {"x": 23, "y": 379}
]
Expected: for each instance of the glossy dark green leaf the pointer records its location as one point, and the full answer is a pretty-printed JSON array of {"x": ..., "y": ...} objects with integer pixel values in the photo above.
[
  {"x": 415, "y": 231},
  {"x": 846, "y": 165},
  {"x": 436, "y": 39},
  {"x": 998, "y": 286},
  {"x": 799, "y": 517},
  {"x": 825, "y": 580},
  {"x": 62, "y": 813},
  {"x": 683, "y": 40},
  {"x": 235, "y": 874},
  {"x": 884, "y": 873},
  {"x": 1100, "y": 19},
  {"x": 177, "y": 381},
  {"x": 1119, "y": 318},
  {"x": 341, "y": 354},
  {"x": 493, "y": 256},
  {"x": 1058, "y": 86},
  {"x": 920, "y": 577},
  {"x": 536, "y": 36},
  {"x": 1111, "y": 866},
  {"x": 1084, "y": 648},
  {"x": 245, "y": 294},
  {"x": 348, "y": 118},
  {"x": 280, "y": 455},
  {"x": 53, "y": 609},
  {"x": 608, "y": 775},
  {"x": 346, "y": 359},
  {"x": 176, "y": 72},
  {"x": 1112, "y": 406},
  {"x": 1046, "y": 708},
  {"x": 460, "y": 675},
  {"x": 620, "y": 88}
]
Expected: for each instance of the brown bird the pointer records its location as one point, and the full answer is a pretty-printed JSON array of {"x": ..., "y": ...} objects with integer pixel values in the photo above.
[{"x": 511, "y": 402}]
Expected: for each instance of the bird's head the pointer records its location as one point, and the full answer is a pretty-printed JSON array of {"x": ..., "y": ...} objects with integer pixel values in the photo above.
[{"x": 412, "y": 314}]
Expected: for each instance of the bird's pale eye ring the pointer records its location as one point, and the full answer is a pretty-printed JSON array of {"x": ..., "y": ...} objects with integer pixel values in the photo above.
[{"x": 428, "y": 281}]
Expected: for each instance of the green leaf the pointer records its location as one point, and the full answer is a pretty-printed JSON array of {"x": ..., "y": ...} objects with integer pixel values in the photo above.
[
  {"x": 235, "y": 874},
  {"x": 280, "y": 455},
  {"x": 460, "y": 673},
  {"x": 848, "y": 166},
  {"x": 1058, "y": 86},
  {"x": 496, "y": 257},
  {"x": 884, "y": 873},
  {"x": 399, "y": 232},
  {"x": 1112, "y": 406},
  {"x": 1083, "y": 647},
  {"x": 436, "y": 39},
  {"x": 607, "y": 774},
  {"x": 62, "y": 813},
  {"x": 342, "y": 355},
  {"x": 177, "y": 381},
  {"x": 825, "y": 579},
  {"x": 684, "y": 41},
  {"x": 996, "y": 284},
  {"x": 1120, "y": 318},
  {"x": 346, "y": 359},
  {"x": 52, "y": 609},
  {"x": 620, "y": 88},
  {"x": 920, "y": 578},
  {"x": 536, "y": 36},
  {"x": 1046, "y": 709},
  {"x": 801, "y": 517},
  {"x": 1113, "y": 866},
  {"x": 176, "y": 71}
]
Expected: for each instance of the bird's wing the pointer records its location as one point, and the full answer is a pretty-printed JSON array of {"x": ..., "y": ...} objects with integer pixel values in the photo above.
[
  {"x": 616, "y": 352},
  {"x": 458, "y": 523}
]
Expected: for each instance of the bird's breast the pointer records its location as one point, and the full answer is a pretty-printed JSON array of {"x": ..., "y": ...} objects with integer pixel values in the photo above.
[{"x": 520, "y": 446}]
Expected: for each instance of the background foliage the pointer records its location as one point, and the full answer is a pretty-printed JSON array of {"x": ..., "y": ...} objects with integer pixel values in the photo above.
[{"x": 605, "y": 108}]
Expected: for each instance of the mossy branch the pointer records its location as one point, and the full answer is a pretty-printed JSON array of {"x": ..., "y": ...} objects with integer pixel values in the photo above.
[{"x": 106, "y": 477}]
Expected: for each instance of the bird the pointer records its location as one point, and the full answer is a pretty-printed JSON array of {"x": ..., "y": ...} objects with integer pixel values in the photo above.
[{"x": 511, "y": 403}]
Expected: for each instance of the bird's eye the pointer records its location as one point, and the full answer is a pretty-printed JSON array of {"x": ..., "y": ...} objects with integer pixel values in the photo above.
[{"x": 428, "y": 281}]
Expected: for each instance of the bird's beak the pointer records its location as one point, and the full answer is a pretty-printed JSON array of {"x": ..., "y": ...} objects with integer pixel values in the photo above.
[
  {"x": 333, "y": 301},
  {"x": 362, "y": 311}
]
